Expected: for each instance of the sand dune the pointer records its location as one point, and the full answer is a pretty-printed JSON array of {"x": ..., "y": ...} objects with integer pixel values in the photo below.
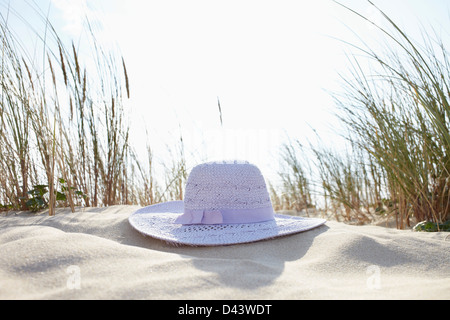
[{"x": 96, "y": 254}]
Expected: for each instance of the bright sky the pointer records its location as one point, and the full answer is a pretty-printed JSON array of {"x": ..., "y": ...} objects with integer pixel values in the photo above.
[{"x": 272, "y": 63}]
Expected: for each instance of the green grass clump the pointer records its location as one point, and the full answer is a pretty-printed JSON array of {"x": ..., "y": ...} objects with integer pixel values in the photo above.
[
  {"x": 398, "y": 117},
  {"x": 395, "y": 109},
  {"x": 428, "y": 226}
]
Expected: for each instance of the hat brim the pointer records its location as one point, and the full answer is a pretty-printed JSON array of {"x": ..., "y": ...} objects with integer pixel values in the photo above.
[{"x": 157, "y": 221}]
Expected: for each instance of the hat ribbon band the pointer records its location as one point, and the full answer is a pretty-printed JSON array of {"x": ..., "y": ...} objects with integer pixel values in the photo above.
[{"x": 225, "y": 216}]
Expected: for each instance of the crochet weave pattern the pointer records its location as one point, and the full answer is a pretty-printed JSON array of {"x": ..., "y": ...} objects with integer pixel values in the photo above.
[
  {"x": 226, "y": 185},
  {"x": 228, "y": 190}
]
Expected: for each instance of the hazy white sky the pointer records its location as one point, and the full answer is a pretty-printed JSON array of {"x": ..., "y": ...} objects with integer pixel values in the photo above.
[{"x": 271, "y": 63}]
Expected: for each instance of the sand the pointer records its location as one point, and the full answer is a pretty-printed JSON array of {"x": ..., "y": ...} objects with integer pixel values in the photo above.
[{"x": 96, "y": 254}]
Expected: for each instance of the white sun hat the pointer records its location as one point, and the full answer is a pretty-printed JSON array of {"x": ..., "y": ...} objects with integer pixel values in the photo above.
[{"x": 225, "y": 203}]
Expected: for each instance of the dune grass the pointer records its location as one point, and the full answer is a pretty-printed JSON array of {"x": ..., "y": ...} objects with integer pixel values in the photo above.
[
  {"x": 396, "y": 116},
  {"x": 400, "y": 119},
  {"x": 64, "y": 134},
  {"x": 295, "y": 191}
]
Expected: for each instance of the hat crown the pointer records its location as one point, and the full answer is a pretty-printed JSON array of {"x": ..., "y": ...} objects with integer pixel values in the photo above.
[{"x": 226, "y": 185}]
